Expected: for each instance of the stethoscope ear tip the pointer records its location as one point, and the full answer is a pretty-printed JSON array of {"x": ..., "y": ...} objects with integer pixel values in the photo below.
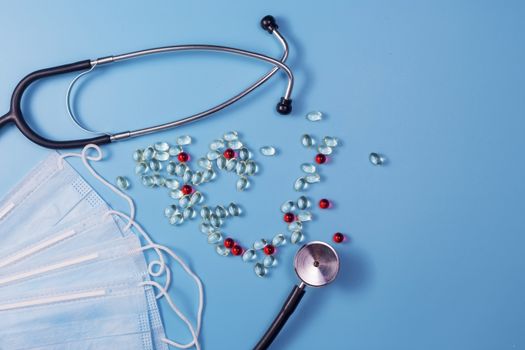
[
  {"x": 284, "y": 106},
  {"x": 268, "y": 23}
]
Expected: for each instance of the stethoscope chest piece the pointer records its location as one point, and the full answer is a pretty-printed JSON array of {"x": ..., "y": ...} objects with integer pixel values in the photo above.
[{"x": 316, "y": 264}]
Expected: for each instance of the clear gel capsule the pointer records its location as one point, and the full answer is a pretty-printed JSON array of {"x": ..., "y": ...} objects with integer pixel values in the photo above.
[
  {"x": 251, "y": 167},
  {"x": 187, "y": 175},
  {"x": 244, "y": 154},
  {"x": 137, "y": 155},
  {"x": 278, "y": 240},
  {"x": 296, "y": 237},
  {"x": 189, "y": 213},
  {"x": 170, "y": 168},
  {"x": 303, "y": 203},
  {"x": 231, "y": 164},
  {"x": 159, "y": 180},
  {"x": 176, "y": 219},
  {"x": 242, "y": 183},
  {"x": 162, "y": 156},
  {"x": 170, "y": 210},
  {"x": 260, "y": 244},
  {"x": 269, "y": 261},
  {"x": 215, "y": 220},
  {"x": 184, "y": 140},
  {"x": 174, "y": 150},
  {"x": 312, "y": 178},
  {"x": 300, "y": 184},
  {"x": 155, "y": 165},
  {"x": 295, "y": 226},
  {"x": 122, "y": 182},
  {"x": 171, "y": 184},
  {"x": 304, "y": 216},
  {"x": 307, "y": 140},
  {"x": 148, "y": 154},
  {"x": 184, "y": 201},
  {"x": 235, "y": 144},
  {"x": 205, "y": 228},
  {"x": 208, "y": 175},
  {"x": 234, "y": 209},
  {"x": 249, "y": 255},
  {"x": 231, "y": 136},
  {"x": 221, "y": 162},
  {"x": 217, "y": 145},
  {"x": 212, "y": 155},
  {"x": 330, "y": 141},
  {"x": 141, "y": 168},
  {"x": 221, "y": 212},
  {"x": 260, "y": 270},
  {"x": 308, "y": 168},
  {"x": 176, "y": 194},
  {"x": 214, "y": 238},
  {"x": 148, "y": 181},
  {"x": 162, "y": 146},
  {"x": 222, "y": 250},
  {"x": 240, "y": 168},
  {"x": 314, "y": 116},
  {"x": 324, "y": 149},
  {"x": 288, "y": 206},
  {"x": 205, "y": 212},
  {"x": 180, "y": 169},
  {"x": 196, "y": 198},
  {"x": 204, "y": 163},
  {"x": 196, "y": 178},
  {"x": 267, "y": 151},
  {"x": 376, "y": 158}
]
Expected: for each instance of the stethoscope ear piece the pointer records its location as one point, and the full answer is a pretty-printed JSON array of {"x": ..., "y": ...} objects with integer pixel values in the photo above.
[
  {"x": 268, "y": 23},
  {"x": 284, "y": 106}
]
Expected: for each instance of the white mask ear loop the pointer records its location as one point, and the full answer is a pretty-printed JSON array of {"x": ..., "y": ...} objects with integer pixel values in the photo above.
[{"x": 85, "y": 157}]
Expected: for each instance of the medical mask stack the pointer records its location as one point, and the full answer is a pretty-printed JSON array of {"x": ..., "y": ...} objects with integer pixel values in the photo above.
[{"x": 73, "y": 274}]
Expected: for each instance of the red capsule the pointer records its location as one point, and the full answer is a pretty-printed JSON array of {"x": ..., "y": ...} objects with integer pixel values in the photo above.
[
  {"x": 228, "y": 242},
  {"x": 289, "y": 217},
  {"x": 229, "y": 153},
  {"x": 183, "y": 157},
  {"x": 269, "y": 249},
  {"x": 237, "y": 250},
  {"x": 324, "y": 203},
  {"x": 320, "y": 158},
  {"x": 186, "y": 189},
  {"x": 338, "y": 237}
]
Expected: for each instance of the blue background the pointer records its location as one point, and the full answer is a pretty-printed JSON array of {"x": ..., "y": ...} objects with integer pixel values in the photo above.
[{"x": 435, "y": 258}]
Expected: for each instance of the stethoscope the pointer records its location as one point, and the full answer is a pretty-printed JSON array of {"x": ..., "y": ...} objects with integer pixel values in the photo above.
[
  {"x": 16, "y": 116},
  {"x": 316, "y": 264}
]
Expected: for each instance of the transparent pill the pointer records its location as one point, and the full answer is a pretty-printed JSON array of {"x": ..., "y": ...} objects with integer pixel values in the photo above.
[
  {"x": 307, "y": 140},
  {"x": 242, "y": 183},
  {"x": 221, "y": 162},
  {"x": 215, "y": 220},
  {"x": 176, "y": 219},
  {"x": 196, "y": 178},
  {"x": 141, "y": 168},
  {"x": 148, "y": 154},
  {"x": 234, "y": 209},
  {"x": 295, "y": 226},
  {"x": 251, "y": 167},
  {"x": 170, "y": 168},
  {"x": 231, "y": 136},
  {"x": 205, "y": 212},
  {"x": 249, "y": 255},
  {"x": 186, "y": 177},
  {"x": 330, "y": 141},
  {"x": 244, "y": 154},
  {"x": 217, "y": 145},
  {"x": 204, "y": 163},
  {"x": 260, "y": 244},
  {"x": 184, "y": 140},
  {"x": 162, "y": 156},
  {"x": 240, "y": 168},
  {"x": 222, "y": 250},
  {"x": 312, "y": 178},
  {"x": 208, "y": 175},
  {"x": 300, "y": 184},
  {"x": 376, "y": 158},
  {"x": 304, "y": 216},
  {"x": 137, "y": 155},
  {"x": 148, "y": 181},
  {"x": 180, "y": 169},
  {"x": 235, "y": 144},
  {"x": 231, "y": 164},
  {"x": 205, "y": 228},
  {"x": 267, "y": 151},
  {"x": 159, "y": 180},
  {"x": 278, "y": 240},
  {"x": 170, "y": 210},
  {"x": 196, "y": 198},
  {"x": 221, "y": 212},
  {"x": 176, "y": 194},
  {"x": 308, "y": 168},
  {"x": 296, "y": 237},
  {"x": 122, "y": 182},
  {"x": 174, "y": 150},
  {"x": 314, "y": 116},
  {"x": 184, "y": 201},
  {"x": 324, "y": 149},
  {"x": 171, "y": 184},
  {"x": 260, "y": 270},
  {"x": 189, "y": 213},
  {"x": 303, "y": 203},
  {"x": 212, "y": 155},
  {"x": 162, "y": 146},
  {"x": 288, "y": 206},
  {"x": 155, "y": 165},
  {"x": 214, "y": 238},
  {"x": 269, "y": 261}
]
